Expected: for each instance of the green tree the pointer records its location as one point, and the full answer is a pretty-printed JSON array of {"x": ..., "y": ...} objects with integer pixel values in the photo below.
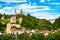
[
  {"x": 2, "y": 27},
  {"x": 24, "y": 36},
  {"x": 44, "y": 25},
  {"x": 0, "y": 16},
  {"x": 56, "y": 24},
  {"x": 37, "y": 37},
  {"x": 29, "y": 22}
]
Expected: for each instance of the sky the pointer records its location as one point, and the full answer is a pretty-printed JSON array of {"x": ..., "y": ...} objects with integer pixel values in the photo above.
[{"x": 42, "y": 9}]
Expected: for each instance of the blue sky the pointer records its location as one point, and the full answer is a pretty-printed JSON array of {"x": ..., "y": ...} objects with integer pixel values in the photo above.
[{"x": 43, "y": 9}]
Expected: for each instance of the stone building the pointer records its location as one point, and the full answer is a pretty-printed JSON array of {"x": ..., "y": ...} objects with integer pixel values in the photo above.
[
  {"x": 13, "y": 23},
  {"x": 2, "y": 17}
]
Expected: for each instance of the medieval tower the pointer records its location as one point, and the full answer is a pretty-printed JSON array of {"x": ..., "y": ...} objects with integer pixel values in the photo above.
[{"x": 13, "y": 23}]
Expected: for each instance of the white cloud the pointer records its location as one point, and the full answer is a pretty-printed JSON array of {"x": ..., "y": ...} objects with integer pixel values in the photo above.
[
  {"x": 45, "y": 15},
  {"x": 7, "y": 10},
  {"x": 42, "y": 0},
  {"x": 1, "y": 11},
  {"x": 27, "y": 8},
  {"x": 32, "y": 8},
  {"x": 44, "y": 8},
  {"x": 13, "y": 0}
]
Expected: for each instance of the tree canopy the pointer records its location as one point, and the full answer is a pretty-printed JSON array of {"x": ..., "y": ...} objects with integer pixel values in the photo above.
[{"x": 56, "y": 24}]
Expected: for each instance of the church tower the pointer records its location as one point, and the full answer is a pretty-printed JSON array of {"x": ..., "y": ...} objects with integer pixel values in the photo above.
[
  {"x": 15, "y": 12},
  {"x": 12, "y": 23},
  {"x": 13, "y": 18},
  {"x": 21, "y": 13}
]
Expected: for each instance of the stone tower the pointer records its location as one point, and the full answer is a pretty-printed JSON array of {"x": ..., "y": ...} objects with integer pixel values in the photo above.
[
  {"x": 15, "y": 12},
  {"x": 21, "y": 12},
  {"x": 12, "y": 23},
  {"x": 13, "y": 20},
  {"x": 21, "y": 15}
]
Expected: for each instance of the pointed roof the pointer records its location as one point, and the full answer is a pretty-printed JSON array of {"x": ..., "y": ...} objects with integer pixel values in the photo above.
[
  {"x": 15, "y": 11},
  {"x": 21, "y": 12}
]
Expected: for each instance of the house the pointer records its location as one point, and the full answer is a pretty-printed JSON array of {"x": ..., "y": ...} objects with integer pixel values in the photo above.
[{"x": 45, "y": 32}]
